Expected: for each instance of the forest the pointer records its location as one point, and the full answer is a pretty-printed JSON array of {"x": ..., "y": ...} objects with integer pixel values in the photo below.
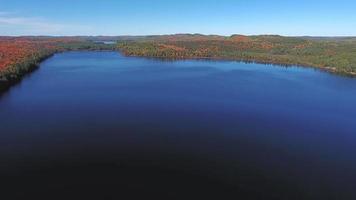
[
  {"x": 21, "y": 55},
  {"x": 336, "y": 55}
]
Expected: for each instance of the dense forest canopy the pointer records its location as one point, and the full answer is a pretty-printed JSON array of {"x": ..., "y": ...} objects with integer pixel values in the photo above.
[{"x": 336, "y": 55}]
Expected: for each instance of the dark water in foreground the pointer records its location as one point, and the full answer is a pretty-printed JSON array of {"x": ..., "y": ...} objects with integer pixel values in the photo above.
[{"x": 97, "y": 125}]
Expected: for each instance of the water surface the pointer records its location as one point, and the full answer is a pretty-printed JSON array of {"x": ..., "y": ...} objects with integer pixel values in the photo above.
[{"x": 100, "y": 125}]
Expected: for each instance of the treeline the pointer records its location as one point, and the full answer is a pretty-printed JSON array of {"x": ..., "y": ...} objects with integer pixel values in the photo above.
[
  {"x": 85, "y": 45},
  {"x": 21, "y": 55},
  {"x": 334, "y": 55}
]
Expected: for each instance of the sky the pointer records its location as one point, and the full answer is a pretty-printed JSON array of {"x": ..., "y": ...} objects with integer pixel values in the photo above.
[{"x": 157, "y": 17}]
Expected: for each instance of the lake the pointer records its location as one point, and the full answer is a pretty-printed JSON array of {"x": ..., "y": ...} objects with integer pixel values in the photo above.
[{"x": 99, "y": 125}]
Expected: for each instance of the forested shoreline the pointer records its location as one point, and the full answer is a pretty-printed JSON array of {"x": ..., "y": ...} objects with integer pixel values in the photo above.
[
  {"x": 21, "y": 55},
  {"x": 336, "y": 55},
  {"x": 14, "y": 74}
]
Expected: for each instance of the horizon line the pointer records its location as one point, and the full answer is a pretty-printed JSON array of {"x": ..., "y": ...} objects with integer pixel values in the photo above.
[{"x": 175, "y": 34}]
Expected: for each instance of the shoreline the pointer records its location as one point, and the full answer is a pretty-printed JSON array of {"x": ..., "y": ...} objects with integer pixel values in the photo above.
[
  {"x": 13, "y": 74},
  {"x": 12, "y": 79},
  {"x": 8, "y": 79},
  {"x": 280, "y": 64}
]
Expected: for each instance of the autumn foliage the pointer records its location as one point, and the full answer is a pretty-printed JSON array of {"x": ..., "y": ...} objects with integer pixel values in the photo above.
[
  {"x": 14, "y": 51},
  {"x": 336, "y": 55},
  {"x": 20, "y": 55}
]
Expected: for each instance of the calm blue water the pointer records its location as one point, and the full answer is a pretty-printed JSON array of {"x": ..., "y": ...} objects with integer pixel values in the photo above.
[{"x": 100, "y": 125}]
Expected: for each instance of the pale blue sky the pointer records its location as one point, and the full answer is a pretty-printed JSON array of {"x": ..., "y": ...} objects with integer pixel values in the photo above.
[{"x": 139, "y": 17}]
